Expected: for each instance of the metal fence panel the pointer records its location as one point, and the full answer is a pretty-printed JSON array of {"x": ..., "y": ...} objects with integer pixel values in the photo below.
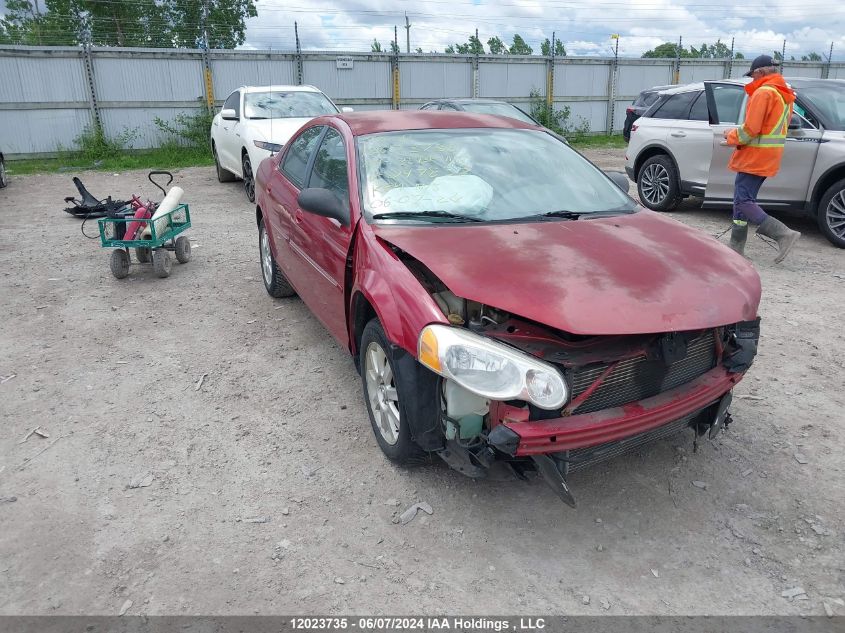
[
  {"x": 138, "y": 124},
  {"x": 424, "y": 80},
  {"x": 28, "y": 79},
  {"x": 837, "y": 72},
  {"x": 594, "y": 113},
  {"x": 739, "y": 69},
  {"x": 365, "y": 80},
  {"x": 691, "y": 73},
  {"x": 634, "y": 78},
  {"x": 232, "y": 73},
  {"x": 503, "y": 79},
  {"x": 41, "y": 131},
  {"x": 802, "y": 70},
  {"x": 170, "y": 78},
  {"x": 581, "y": 80}
]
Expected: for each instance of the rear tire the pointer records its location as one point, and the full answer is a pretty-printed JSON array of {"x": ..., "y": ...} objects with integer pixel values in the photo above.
[
  {"x": 183, "y": 249},
  {"x": 162, "y": 264},
  {"x": 223, "y": 175},
  {"x": 4, "y": 179},
  {"x": 274, "y": 281},
  {"x": 383, "y": 397},
  {"x": 657, "y": 184},
  {"x": 831, "y": 214},
  {"x": 119, "y": 263},
  {"x": 249, "y": 177}
]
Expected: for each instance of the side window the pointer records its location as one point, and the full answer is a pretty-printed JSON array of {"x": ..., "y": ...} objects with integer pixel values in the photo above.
[
  {"x": 295, "y": 162},
  {"x": 233, "y": 102},
  {"x": 429, "y": 106},
  {"x": 726, "y": 106},
  {"x": 699, "y": 108},
  {"x": 329, "y": 171},
  {"x": 448, "y": 106},
  {"x": 677, "y": 106}
]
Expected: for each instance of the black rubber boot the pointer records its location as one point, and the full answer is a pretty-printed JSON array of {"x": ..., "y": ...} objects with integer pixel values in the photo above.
[
  {"x": 739, "y": 233},
  {"x": 782, "y": 234}
]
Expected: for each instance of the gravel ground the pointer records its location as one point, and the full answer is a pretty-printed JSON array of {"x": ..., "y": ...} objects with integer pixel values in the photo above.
[{"x": 267, "y": 492}]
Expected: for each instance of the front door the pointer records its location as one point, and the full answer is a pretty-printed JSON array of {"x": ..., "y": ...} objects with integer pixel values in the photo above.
[
  {"x": 228, "y": 144},
  {"x": 691, "y": 140},
  {"x": 322, "y": 244},
  {"x": 789, "y": 188},
  {"x": 726, "y": 105}
]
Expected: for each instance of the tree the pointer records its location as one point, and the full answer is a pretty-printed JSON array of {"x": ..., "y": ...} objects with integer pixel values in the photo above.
[
  {"x": 719, "y": 50},
  {"x": 739, "y": 55},
  {"x": 667, "y": 49},
  {"x": 449, "y": 50},
  {"x": 519, "y": 47},
  {"x": 472, "y": 47},
  {"x": 811, "y": 57},
  {"x": 419, "y": 51},
  {"x": 496, "y": 46},
  {"x": 375, "y": 47},
  {"x": 394, "y": 47},
  {"x": 154, "y": 23},
  {"x": 546, "y": 48}
]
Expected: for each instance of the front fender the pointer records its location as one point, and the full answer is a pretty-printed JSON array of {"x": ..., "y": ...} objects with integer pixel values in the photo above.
[{"x": 401, "y": 303}]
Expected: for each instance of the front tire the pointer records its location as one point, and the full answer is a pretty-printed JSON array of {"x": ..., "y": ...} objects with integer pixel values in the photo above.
[
  {"x": 223, "y": 175},
  {"x": 249, "y": 178},
  {"x": 119, "y": 263},
  {"x": 831, "y": 214},
  {"x": 162, "y": 264},
  {"x": 383, "y": 396},
  {"x": 274, "y": 281},
  {"x": 658, "y": 184},
  {"x": 4, "y": 179}
]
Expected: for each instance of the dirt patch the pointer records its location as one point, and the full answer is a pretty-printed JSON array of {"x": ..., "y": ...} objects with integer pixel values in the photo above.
[{"x": 260, "y": 489}]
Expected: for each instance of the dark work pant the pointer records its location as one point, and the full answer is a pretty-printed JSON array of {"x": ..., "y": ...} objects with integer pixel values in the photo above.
[{"x": 746, "y": 209}]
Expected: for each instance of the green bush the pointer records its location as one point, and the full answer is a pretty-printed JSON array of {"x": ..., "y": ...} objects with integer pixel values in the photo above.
[
  {"x": 93, "y": 144},
  {"x": 188, "y": 130},
  {"x": 558, "y": 120}
]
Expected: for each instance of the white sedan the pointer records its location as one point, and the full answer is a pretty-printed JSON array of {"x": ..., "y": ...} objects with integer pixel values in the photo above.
[{"x": 256, "y": 122}]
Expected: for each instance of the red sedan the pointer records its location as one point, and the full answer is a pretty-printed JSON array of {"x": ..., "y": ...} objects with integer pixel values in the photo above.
[{"x": 503, "y": 298}]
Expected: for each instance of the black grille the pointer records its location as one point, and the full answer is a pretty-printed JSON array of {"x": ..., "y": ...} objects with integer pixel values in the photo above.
[{"x": 639, "y": 378}]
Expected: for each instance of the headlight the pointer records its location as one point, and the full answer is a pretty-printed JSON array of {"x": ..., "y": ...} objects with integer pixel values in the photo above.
[
  {"x": 489, "y": 368},
  {"x": 270, "y": 147}
]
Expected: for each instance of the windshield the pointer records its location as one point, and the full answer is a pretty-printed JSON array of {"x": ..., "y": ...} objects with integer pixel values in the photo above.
[
  {"x": 501, "y": 109},
  {"x": 481, "y": 174},
  {"x": 829, "y": 102},
  {"x": 286, "y": 105}
]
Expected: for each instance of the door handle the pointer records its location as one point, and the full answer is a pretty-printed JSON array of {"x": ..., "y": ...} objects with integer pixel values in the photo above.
[{"x": 679, "y": 134}]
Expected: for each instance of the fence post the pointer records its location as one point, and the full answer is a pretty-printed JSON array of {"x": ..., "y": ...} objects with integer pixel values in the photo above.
[
  {"x": 298, "y": 55},
  {"x": 611, "y": 95},
  {"x": 394, "y": 73},
  {"x": 209, "y": 80},
  {"x": 92, "y": 90},
  {"x": 475, "y": 78}
]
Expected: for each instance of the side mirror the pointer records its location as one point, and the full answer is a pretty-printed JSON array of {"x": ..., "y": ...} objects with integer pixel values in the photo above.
[
  {"x": 346, "y": 109},
  {"x": 620, "y": 179},
  {"x": 795, "y": 122},
  {"x": 323, "y": 202},
  {"x": 228, "y": 114}
]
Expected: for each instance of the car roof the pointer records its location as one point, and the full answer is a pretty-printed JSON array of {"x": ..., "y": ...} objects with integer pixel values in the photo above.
[
  {"x": 797, "y": 82},
  {"x": 374, "y": 121},
  {"x": 279, "y": 88},
  {"x": 468, "y": 100}
]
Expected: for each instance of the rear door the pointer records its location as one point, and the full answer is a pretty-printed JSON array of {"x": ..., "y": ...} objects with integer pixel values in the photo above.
[
  {"x": 726, "y": 106},
  {"x": 322, "y": 244},
  {"x": 691, "y": 140},
  {"x": 789, "y": 188}
]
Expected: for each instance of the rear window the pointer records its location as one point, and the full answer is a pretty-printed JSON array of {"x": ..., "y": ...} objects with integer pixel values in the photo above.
[
  {"x": 646, "y": 99},
  {"x": 676, "y": 106}
]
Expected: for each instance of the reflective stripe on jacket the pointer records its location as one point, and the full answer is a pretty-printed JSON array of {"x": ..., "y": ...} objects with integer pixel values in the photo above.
[{"x": 760, "y": 140}]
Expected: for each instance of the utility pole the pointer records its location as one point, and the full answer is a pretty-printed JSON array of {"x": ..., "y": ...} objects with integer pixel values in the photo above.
[
  {"x": 677, "y": 60},
  {"x": 783, "y": 52},
  {"x": 829, "y": 62},
  {"x": 731, "y": 61},
  {"x": 407, "y": 34},
  {"x": 298, "y": 55}
]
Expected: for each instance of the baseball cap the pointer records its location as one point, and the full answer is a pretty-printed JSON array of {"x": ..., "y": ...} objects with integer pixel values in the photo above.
[{"x": 761, "y": 62}]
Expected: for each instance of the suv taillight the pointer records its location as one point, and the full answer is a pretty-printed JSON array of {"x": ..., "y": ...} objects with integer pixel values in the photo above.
[
  {"x": 634, "y": 128},
  {"x": 629, "y": 110}
]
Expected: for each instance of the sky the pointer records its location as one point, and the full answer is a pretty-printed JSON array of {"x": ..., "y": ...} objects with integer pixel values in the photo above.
[{"x": 585, "y": 27}]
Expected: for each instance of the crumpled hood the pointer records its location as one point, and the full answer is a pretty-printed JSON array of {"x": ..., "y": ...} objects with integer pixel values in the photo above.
[
  {"x": 629, "y": 274},
  {"x": 275, "y": 130}
]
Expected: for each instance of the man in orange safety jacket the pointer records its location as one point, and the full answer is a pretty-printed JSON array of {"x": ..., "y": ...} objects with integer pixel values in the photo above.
[{"x": 760, "y": 142}]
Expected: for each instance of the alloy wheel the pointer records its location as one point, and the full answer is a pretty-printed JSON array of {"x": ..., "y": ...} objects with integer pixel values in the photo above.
[
  {"x": 654, "y": 183},
  {"x": 266, "y": 258},
  {"x": 835, "y": 214},
  {"x": 381, "y": 391}
]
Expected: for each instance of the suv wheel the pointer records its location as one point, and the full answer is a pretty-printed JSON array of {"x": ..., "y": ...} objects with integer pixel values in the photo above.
[
  {"x": 657, "y": 184},
  {"x": 831, "y": 215},
  {"x": 3, "y": 180}
]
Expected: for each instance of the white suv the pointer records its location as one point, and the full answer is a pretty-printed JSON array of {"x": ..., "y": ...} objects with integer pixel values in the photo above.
[
  {"x": 256, "y": 121},
  {"x": 676, "y": 150}
]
